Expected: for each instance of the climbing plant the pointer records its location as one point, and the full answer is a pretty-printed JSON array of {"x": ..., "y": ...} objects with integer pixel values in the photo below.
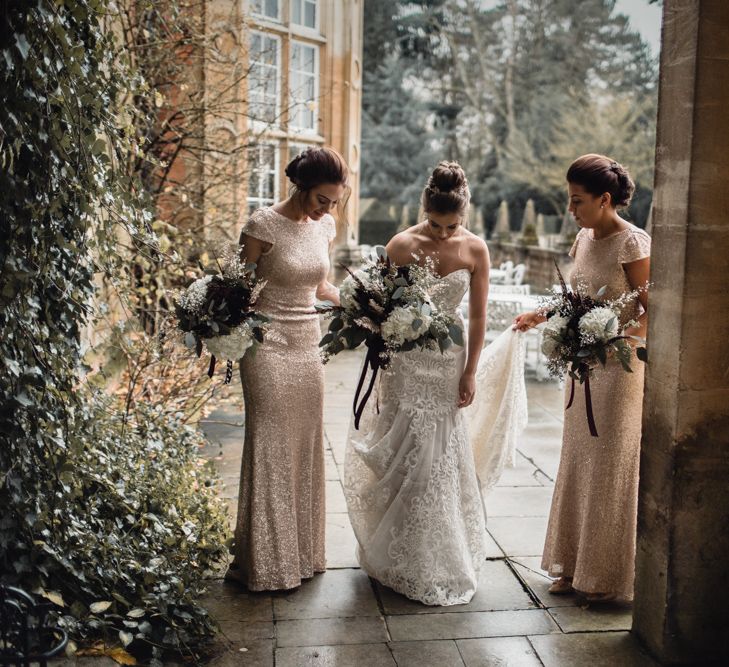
[{"x": 107, "y": 510}]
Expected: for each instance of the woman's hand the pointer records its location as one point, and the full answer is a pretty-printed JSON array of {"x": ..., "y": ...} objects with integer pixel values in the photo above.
[
  {"x": 528, "y": 320},
  {"x": 466, "y": 390}
]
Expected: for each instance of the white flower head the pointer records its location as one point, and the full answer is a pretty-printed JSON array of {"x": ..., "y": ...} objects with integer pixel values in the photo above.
[
  {"x": 233, "y": 345},
  {"x": 598, "y": 325},
  {"x": 553, "y": 334},
  {"x": 399, "y": 326}
]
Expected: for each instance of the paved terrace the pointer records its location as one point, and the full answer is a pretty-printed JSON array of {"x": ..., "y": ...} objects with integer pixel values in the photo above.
[{"x": 343, "y": 618}]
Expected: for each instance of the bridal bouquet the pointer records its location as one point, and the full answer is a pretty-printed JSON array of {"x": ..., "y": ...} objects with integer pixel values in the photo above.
[
  {"x": 389, "y": 309},
  {"x": 581, "y": 332},
  {"x": 217, "y": 311}
]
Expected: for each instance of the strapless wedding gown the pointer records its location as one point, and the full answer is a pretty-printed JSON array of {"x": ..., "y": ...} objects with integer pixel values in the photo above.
[{"x": 413, "y": 482}]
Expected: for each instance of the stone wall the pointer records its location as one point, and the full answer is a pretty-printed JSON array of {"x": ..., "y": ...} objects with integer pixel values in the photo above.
[{"x": 682, "y": 578}]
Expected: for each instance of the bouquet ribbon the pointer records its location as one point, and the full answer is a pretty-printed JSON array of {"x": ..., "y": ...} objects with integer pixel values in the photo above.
[
  {"x": 228, "y": 369},
  {"x": 371, "y": 361},
  {"x": 588, "y": 404}
]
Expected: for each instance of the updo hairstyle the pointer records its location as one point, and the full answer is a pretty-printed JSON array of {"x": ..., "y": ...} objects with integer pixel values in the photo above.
[
  {"x": 599, "y": 174},
  {"x": 316, "y": 166},
  {"x": 447, "y": 190}
]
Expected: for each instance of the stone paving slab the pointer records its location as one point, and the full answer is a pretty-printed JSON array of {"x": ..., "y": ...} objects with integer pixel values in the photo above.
[
  {"x": 596, "y": 649},
  {"x": 337, "y": 593},
  {"x": 331, "y": 631},
  {"x": 498, "y": 589},
  {"x": 335, "y": 498},
  {"x": 341, "y": 544},
  {"x": 230, "y": 601},
  {"x": 591, "y": 618},
  {"x": 528, "y": 569},
  {"x": 519, "y": 536},
  {"x": 363, "y": 655},
  {"x": 439, "y": 653},
  {"x": 519, "y": 501},
  {"x": 252, "y": 654},
  {"x": 468, "y": 625},
  {"x": 498, "y": 652}
]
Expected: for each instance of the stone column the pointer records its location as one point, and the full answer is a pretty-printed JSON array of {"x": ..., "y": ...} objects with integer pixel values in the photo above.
[
  {"x": 681, "y": 610},
  {"x": 342, "y": 111}
]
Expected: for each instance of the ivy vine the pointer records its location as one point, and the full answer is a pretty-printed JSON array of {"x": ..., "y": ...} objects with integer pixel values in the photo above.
[{"x": 107, "y": 513}]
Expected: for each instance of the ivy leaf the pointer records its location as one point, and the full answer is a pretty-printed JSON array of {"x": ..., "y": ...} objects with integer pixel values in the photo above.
[
  {"x": 99, "y": 607},
  {"x": 126, "y": 638},
  {"x": 22, "y": 45},
  {"x": 55, "y": 597}
]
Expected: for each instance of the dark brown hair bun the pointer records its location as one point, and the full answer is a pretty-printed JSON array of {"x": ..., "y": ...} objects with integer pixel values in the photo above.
[
  {"x": 447, "y": 190},
  {"x": 315, "y": 166},
  {"x": 599, "y": 174}
]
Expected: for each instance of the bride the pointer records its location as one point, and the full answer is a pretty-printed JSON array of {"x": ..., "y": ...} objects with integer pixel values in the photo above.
[{"x": 412, "y": 482}]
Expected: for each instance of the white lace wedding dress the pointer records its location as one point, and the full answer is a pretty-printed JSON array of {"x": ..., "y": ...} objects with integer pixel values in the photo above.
[{"x": 413, "y": 478}]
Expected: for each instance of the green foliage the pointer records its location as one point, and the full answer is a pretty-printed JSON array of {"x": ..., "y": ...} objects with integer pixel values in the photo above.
[
  {"x": 513, "y": 90},
  {"x": 135, "y": 523},
  {"x": 102, "y": 501},
  {"x": 396, "y": 150}
]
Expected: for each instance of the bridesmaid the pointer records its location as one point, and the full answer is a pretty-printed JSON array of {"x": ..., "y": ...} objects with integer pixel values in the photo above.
[
  {"x": 279, "y": 536},
  {"x": 591, "y": 533}
]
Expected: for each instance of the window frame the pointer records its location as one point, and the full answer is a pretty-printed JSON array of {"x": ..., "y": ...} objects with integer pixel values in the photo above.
[
  {"x": 276, "y": 121},
  {"x": 263, "y": 15},
  {"x": 301, "y": 4},
  {"x": 257, "y": 199},
  {"x": 294, "y": 107}
]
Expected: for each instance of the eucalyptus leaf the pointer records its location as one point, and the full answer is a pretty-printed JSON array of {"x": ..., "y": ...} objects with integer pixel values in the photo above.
[{"x": 456, "y": 334}]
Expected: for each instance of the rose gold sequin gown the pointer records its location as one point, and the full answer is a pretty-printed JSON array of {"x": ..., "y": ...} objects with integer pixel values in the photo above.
[
  {"x": 592, "y": 522},
  {"x": 279, "y": 536}
]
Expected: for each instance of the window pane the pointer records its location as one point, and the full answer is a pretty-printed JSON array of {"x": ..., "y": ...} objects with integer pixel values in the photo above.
[
  {"x": 263, "y": 80},
  {"x": 303, "y": 86},
  {"x": 308, "y": 59},
  {"x": 272, "y": 8},
  {"x": 263, "y": 176},
  {"x": 296, "y": 14},
  {"x": 309, "y": 14}
]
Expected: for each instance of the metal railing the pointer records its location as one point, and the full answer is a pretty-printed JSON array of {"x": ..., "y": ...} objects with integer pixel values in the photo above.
[{"x": 25, "y": 636}]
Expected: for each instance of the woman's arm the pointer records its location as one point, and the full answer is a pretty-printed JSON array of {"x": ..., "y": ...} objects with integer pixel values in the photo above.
[
  {"x": 476, "y": 322},
  {"x": 528, "y": 320},
  {"x": 325, "y": 291},
  {"x": 252, "y": 248},
  {"x": 638, "y": 274}
]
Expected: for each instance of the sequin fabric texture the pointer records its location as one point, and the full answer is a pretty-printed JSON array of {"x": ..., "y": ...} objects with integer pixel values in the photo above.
[
  {"x": 279, "y": 536},
  {"x": 592, "y": 524}
]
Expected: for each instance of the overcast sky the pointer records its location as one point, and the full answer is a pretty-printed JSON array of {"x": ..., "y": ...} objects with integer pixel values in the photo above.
[{"x": 644, "y": 17}]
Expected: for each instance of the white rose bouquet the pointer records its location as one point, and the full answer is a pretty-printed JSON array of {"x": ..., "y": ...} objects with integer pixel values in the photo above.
[
  {"x": 582, "y": 332},
  {"x": 217, "y": 312},
  {"x": 389, "y": 309}
]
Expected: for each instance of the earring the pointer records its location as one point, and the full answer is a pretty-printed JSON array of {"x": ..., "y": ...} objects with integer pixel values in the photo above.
[{"x": 602, "y": 205}]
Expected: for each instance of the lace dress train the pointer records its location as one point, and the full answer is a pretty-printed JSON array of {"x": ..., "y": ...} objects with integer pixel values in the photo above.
[{"x": 411, "y": 481}]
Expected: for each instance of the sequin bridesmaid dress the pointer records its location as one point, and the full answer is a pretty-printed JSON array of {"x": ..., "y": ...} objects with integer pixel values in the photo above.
[
  {"x": 592, "y": 523},
  {"x": 279, "y": 536}
]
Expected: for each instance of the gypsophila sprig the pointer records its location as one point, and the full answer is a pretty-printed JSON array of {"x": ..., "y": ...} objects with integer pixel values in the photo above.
[
  {"x": 390, "y": 309},
  {"x": 218, "y": 312},
  {"x": 582, "y": 332}
]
